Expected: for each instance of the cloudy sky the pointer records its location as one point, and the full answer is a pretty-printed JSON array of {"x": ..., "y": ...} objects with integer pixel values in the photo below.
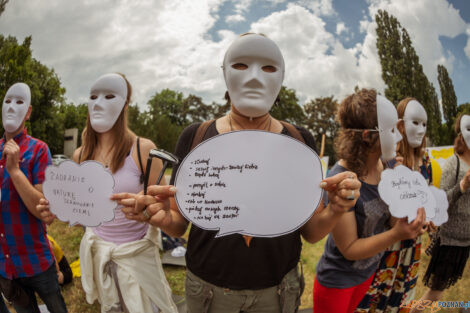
[{"x": 328, "y": 45}]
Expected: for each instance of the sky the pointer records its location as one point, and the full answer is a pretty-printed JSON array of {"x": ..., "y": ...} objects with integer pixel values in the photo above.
[{"x": 328, "y": 45}]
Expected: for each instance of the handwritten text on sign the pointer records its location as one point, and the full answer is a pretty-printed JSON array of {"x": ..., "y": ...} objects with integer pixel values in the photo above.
[
  {"x": 249, "y": 182},
  {"x": 80, "y": 193},
  {"x": 405, "y": 191}
]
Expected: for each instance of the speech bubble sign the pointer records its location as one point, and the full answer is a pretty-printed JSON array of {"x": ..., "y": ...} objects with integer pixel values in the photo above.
[
  {"x": 250, "y": 182},
  {"x": 442, "y": 204},
  {"x": 79, "y": 194},
  {"x": 405, "y": 191}
]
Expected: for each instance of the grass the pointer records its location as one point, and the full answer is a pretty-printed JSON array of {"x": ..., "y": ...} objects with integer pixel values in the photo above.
[{"x": 69, "y": 239}]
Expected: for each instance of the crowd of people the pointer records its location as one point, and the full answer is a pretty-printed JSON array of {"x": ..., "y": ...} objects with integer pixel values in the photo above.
[{"x": 370, "y": 259}]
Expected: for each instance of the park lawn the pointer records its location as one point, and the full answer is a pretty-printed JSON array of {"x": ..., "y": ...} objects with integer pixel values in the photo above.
[{"x": 69, "y": 239}]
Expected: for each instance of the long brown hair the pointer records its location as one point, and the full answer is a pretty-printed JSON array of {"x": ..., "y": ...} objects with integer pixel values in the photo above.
[
  {"x": 123, "y": 137},
  {"x": 355, "y": 113},
  {"x": 404, "y": 149},
  {"x": 459, "y": 144}
]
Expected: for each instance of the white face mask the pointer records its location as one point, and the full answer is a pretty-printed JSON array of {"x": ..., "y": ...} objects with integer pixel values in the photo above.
[
  {"x": 465, "y": 129},
  {"x": 15, "y": 106},
  {"x": 253, "y": 72},
  {"x": 415, "y": 119},
  {"x": 107, "y": 98},
  {"x": 387, "y": 118}
]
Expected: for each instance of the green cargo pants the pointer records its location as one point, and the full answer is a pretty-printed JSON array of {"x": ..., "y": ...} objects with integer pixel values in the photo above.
[{"x": 203, "y": 297}]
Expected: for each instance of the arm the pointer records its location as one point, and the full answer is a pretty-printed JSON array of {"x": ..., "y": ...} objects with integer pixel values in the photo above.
[
  {"x": 354, "y": 248},
  {"x": 448, "y": 182},
  {"x": 28, "y": 193}
]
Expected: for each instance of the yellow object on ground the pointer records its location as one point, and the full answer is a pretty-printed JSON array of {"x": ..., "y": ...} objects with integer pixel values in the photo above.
[
  {"x": 55, "y": 249},
  {"x": 75, "y": 266}
]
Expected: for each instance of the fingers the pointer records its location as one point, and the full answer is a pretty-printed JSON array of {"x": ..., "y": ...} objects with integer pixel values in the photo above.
[
  {"x": 329, "y": 182},
  {"x": 340, "y": 205},
  {"x": 161, "y": 192},
  {"x": 122, "y": 196},
  {"x": 399, "y": 161}
]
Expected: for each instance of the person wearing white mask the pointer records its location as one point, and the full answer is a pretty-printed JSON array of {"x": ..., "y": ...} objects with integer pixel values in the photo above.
[
  {"x": 451, "y": 248},
  {"x": 120, "y": 261},
  {"x": 238, "y": 273},
  {"x": 396, "y": 277},
  {"x": 27, "y": 265},
  {"x": 365, "y": 143}
]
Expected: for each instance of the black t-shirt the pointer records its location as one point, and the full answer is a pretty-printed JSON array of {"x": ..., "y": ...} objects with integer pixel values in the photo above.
[{"x": 227, "y": 261}]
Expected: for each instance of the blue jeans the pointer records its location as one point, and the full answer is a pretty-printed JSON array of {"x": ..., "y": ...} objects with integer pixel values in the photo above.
[{"x": 47, "y": 287}]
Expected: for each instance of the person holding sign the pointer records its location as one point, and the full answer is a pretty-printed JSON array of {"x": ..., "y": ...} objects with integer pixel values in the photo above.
[
  {"x": 122, "y": 251},
  {"x": 452, "y": 246},
  {"x": 397, "y": 274},
  {"x": 27, "y": 264},
  {"x": 367, "y": 138},
  {"x": 236, "y": 273}
]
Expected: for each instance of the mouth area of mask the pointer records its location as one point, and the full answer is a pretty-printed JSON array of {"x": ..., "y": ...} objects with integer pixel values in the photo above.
[
  {"x": 15, "y": 106},
  {"x": 253, "y": 71}
]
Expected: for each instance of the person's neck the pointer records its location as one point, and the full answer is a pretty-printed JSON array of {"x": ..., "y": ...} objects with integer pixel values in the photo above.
[
  {"x": 9, "y": 136},
  {"x": 374, "y": 168},
  {"x": 105, "y": 142},
  {"x": 239, "y": 121}
]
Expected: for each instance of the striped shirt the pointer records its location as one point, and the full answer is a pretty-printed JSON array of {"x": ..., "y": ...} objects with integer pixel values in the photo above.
[{"x": 24, "y": 248}]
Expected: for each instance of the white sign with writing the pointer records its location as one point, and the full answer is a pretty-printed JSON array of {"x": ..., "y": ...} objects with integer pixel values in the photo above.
[
  {"x": 79, "y": 194},
  {"x": 405, "y": 191},
  {"x": 254, "y": 183},
  {"x": 442, "y": 204}
]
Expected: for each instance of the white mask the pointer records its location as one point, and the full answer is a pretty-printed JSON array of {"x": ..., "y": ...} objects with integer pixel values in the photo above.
[
  {"x": 415, "y": 119},
  {"x": 465, "y": 129},
  {"x": 253, "y": 71},
  {"x": 15, "y": 106},
  {"x": 387, "y": 118},
  {"x": 107, "y": 98}
]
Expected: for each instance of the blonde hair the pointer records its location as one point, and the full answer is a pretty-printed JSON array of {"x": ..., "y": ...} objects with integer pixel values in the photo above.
[{"x": 123, "y": 137}]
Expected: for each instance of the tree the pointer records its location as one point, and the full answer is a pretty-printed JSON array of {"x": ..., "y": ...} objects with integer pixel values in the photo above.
[
  {"x": 449, "y": 102},
  {"x": 169, "y": 103},
  {"x": 320, "y": 119},
  {"x": 288, "y": 108},
  {"x": 18, "y": 65},
  {"x": 73, "y": 116},
  {"x": 402, "y": 72},
  {"x": 3, "y": 3}
]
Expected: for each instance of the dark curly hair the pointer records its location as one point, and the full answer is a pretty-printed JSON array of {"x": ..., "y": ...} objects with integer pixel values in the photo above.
[{"x": 357, "y": 111}]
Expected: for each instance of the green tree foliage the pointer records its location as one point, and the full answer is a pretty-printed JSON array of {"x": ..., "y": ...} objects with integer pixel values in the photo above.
[
  {"x": 449, "y": 99},
  {"x": 287, "y": 108},
  {"x": 320, "y": 119},
  {"x": 3, "y": 3},
  {"x": 402, "y": 72},
  {"x": 18, "y": 65},
  {"x": 73, "y": 116}
]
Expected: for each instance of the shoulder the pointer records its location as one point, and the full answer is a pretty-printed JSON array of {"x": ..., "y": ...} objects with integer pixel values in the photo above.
[
  {"x": 38, "y": 143},
  {"x": 451, "y": 162},
  {"x": 187, "y": 135},
  {"x": 336, "y": 169},
  {"x": 307, "y": 136},
  {"x": 146, "y": 144},
  {"x": 76, "y": 154}
]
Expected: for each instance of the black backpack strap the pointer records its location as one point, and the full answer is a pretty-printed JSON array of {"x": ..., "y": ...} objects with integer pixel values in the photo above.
[
  {"x": 200, "y": 133},
  {"x": 458, "y": 168},
  {"x": 142, "y": 176}
]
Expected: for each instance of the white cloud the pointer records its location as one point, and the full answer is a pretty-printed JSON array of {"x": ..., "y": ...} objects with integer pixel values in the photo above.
[
  {"x": 319, "y": 7},
  {"x": 341, "y": 28},
  {"x": 467, "y": 47},
  {"x": 236, "y": 18}
]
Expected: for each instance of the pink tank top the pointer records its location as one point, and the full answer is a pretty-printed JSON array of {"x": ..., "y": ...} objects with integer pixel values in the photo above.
[{"x": 122, "y": 230}]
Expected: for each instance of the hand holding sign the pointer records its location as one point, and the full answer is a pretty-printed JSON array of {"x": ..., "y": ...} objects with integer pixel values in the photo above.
[
  {"x": 80, "y": 193},
  {"x": 253, "y": 183},
  {"x": 405, "y": 191}
]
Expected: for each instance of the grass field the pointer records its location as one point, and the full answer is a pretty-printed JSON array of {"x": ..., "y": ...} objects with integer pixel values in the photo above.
[{"x": 69, "y": 239}]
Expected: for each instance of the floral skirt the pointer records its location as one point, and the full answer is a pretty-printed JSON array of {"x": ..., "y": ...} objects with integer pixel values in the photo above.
[{"x": 395, "y": 280}]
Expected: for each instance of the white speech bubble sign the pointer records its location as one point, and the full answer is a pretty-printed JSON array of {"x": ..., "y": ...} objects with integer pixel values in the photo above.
[
  {"x": 79, "y": 194},
  {"x": 250, "y": 182},
  {"x": 442, "y": 204},
  {"x": 405, "y": 191}
]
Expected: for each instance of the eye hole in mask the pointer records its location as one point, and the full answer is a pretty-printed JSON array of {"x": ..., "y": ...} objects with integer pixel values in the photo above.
[
  {"x": 93, "y": 97},
  {"x": 19, "y": 102},
  {"x": 240, "y": 66},
  {"x": 8, "y": 101},
  {"x": 110, "y": 96}
]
